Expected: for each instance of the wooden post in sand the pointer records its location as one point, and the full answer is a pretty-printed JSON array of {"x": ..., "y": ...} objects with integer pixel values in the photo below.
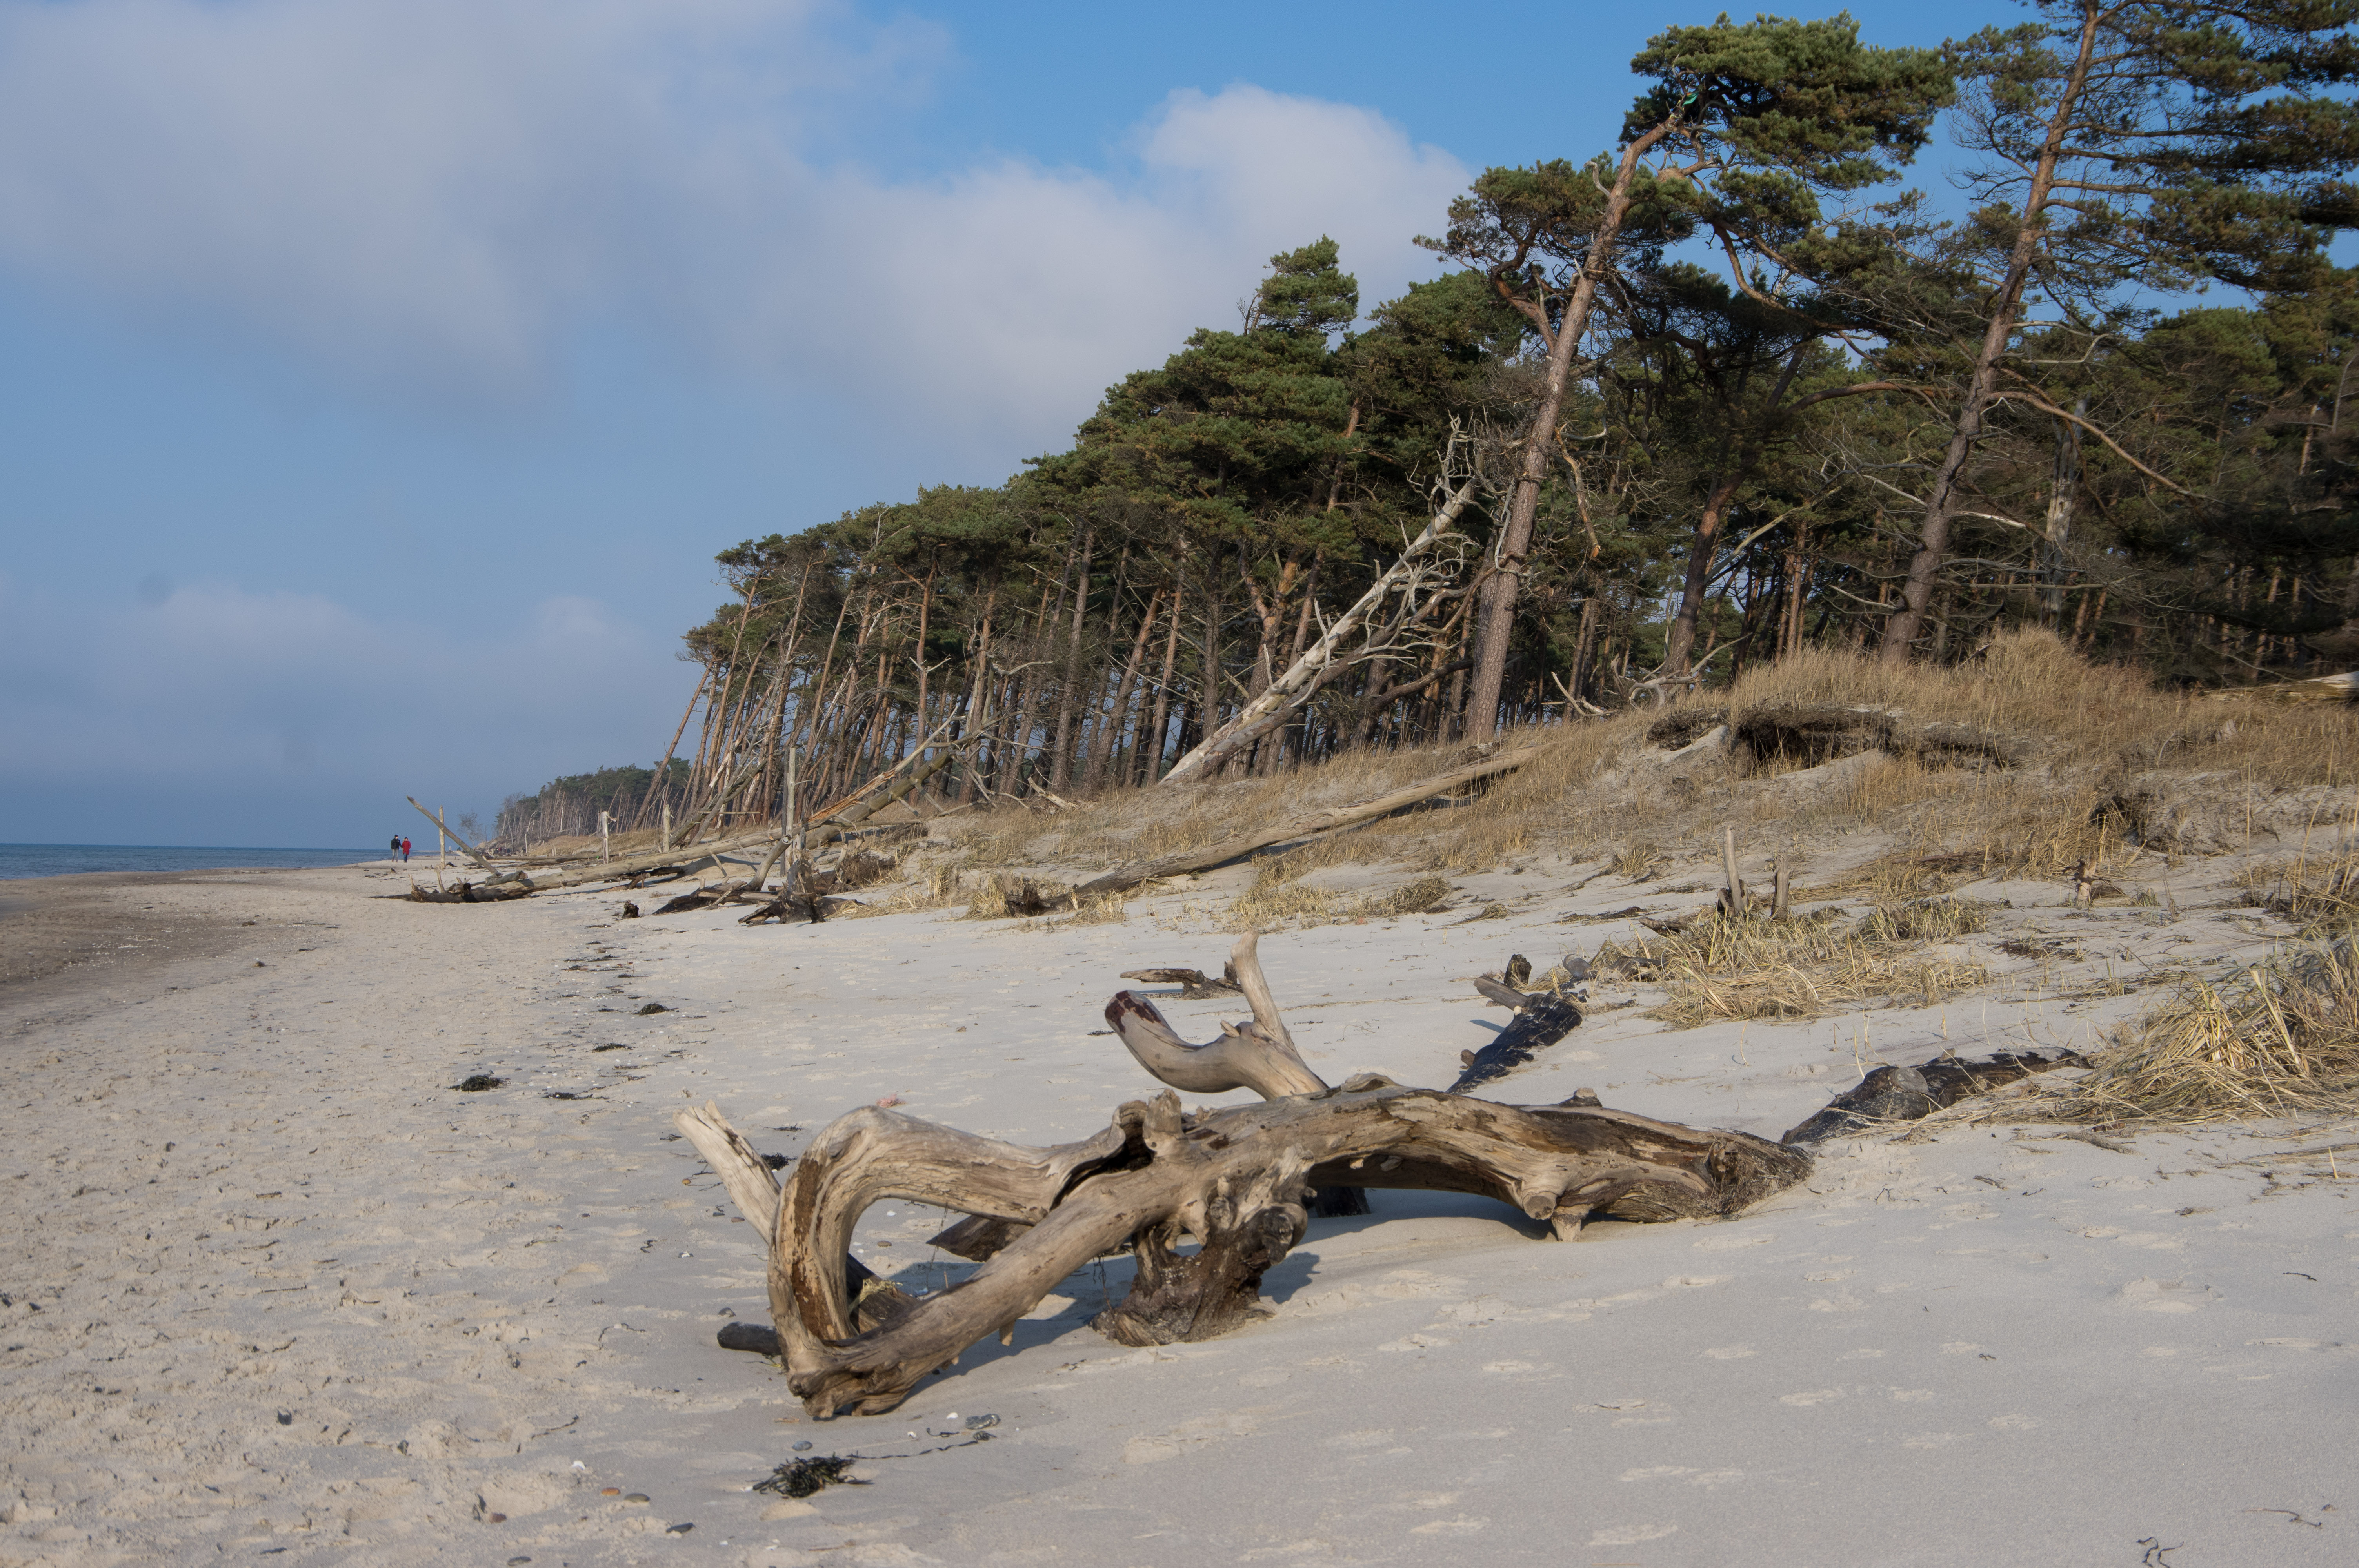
[
  {"x": 1732, "y": 896},
  {"x": 605, "y": 844}
]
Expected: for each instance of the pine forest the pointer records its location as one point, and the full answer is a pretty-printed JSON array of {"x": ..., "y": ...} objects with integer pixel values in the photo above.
[{"x": 1728, "y": 390}]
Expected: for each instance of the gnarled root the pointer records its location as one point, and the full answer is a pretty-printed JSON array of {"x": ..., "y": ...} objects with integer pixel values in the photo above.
[{"x": 1235, "y": 1179}]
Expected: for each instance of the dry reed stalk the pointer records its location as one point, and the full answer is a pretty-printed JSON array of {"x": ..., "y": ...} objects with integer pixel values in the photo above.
[
  {"x": 2321, "y": 894},
  {"x": 2280, "y": 1038},
  {"x": 1760, "y": 968}
]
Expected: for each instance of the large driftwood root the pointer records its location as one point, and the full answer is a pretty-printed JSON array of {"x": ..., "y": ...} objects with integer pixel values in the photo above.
[
  {"x": 1236, "y": 1180},
  {"x": 1241, "y": 1180}
]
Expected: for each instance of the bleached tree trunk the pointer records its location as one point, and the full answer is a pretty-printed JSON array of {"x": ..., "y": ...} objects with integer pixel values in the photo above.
[{"x": 1307, "y": 673}]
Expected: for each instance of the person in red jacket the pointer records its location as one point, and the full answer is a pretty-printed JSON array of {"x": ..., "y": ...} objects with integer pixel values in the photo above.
[{"x": 405, "y": 849}]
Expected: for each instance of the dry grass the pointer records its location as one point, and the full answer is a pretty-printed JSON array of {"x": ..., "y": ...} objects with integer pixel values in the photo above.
[
  {"x": 2321, "y": 895},
  {"x": 937, "y": 888},
  {"x": 1926, "y": 920},
  {"x": 2281, "y": 1038},
  {"x": 2084, "y": 728},
  {"x": 1422, "y": 896},
  {"x": 1098, "y": 909},
  {"x": 1276, "y": 901},
  {"x": 1637, "y": 861},
  {"x": 1757, "y": 967}
]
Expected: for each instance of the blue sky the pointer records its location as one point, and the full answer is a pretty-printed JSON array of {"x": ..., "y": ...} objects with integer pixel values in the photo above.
[{"x": 378, "y": 377}]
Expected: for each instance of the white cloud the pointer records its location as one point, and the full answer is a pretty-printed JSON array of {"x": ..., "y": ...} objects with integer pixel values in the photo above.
[{"x": 435, "y": 192}]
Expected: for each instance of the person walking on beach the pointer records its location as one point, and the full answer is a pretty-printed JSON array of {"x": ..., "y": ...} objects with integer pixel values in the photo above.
[
  {"x": 405, "y": 849},
  {"x": 394, "y": 853}
]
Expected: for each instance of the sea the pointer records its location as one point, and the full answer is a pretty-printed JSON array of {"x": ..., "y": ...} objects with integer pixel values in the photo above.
[{"x": 65, "y": 860}]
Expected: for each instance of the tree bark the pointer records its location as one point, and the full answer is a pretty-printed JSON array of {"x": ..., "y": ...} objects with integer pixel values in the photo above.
[
  {"x": 1118, "y": 719},
  {"x": 1151, "y": 744}
]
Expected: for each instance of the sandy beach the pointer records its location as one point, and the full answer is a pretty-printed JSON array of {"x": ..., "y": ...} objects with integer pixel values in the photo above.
[{"x": 276, "y": 1290}]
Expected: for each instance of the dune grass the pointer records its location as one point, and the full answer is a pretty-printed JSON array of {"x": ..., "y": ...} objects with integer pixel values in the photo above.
[{"x": 2279, "y": 1038}]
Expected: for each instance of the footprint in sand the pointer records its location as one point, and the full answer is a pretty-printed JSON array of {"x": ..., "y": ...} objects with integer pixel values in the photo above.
[
  {"x": 1632, "y": 1535},
  {"x": 2165, "y": 1295},
  {"x": 1810, "y": 1397},
  {"x": 1727, "y": 1243},
  {"x": 1459, "y": 1526}
]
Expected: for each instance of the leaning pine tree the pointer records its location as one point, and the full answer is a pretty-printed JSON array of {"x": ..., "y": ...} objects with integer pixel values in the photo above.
[
  {"x": 2161, "y": 142},
  {"x": 1765, "y": 114}
]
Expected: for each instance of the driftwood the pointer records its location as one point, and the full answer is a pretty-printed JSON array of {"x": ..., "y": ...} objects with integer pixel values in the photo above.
[
  {"x": 1323, "y": 659},
  {"x": 1236, "y": 1180},
  {"x": 812, "y": 908},
  {"x": 705, "y": 897},
  {"x": 1539, "y": 1022},
  {"x": 1812, "y": 734},
  {"x": 1194, "y": 984},
  {"x": 1124, "y": 877},
  {"x": 477, "y": 855},
  {"x": 467, "y": 892},
  {"x": 1029, "y": 896},
  {"x": 1233, "y": 1179},
  {"x": 1906, "y": 1094}
]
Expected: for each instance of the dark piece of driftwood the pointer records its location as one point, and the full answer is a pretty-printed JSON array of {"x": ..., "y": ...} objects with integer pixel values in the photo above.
[
  {"x": 1123, "y": 878},
  {"x": 788, "y": 905},
  {"x": 1539, "y": 1022},
  {"x": 465, "y": 892},
  {"x": 1811, "y": 734},
  {"x": 1028, "y": 896},
  {"x": 795, "y": 906},
  {"x": 705, "y": 897},
  {"x": 759, "y": 1338},
  {"x": 1906, "y": 1094},
  {"x": 1194, "y": 985}
]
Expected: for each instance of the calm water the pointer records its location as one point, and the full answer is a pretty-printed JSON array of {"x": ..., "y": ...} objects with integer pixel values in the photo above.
[{"x": 64, "y": 860}]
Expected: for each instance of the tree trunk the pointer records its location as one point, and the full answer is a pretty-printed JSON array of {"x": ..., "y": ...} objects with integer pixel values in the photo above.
[
  {"x": 1069, "y": 687},
  {"x": 1697, "y": 582},
  {"x": 1117, "y": 719},
  {"x": 1307, "y": 673},
  {"x": 1933, "y": 533},
  {"x": 1500, "y": 589},
  {"x": 2063, "y": 491},
  {"x": 1151, "y": 744}
]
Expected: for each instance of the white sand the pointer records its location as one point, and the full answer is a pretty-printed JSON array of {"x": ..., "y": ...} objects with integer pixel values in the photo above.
[{"x": 277, "y": 1294}]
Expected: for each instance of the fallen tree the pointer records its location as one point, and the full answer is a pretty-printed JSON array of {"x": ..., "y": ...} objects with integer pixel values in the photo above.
[
  {"x": 1123, "y": 878},
  {"x": 1236, "y": 1180},
  {"x": 1325, "y": 659}
]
